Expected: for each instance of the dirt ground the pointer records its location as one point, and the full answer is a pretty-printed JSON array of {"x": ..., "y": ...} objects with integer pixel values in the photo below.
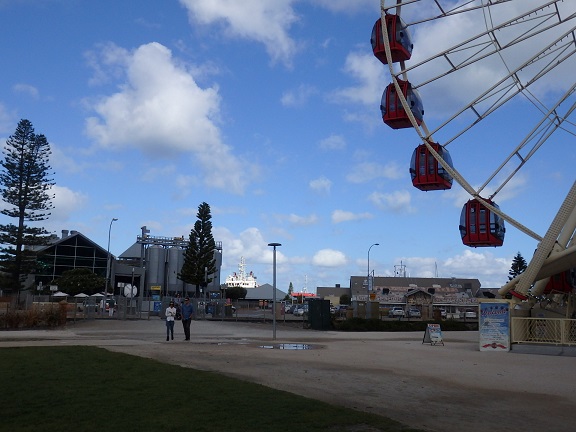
[{"x": 450, "y": 387}]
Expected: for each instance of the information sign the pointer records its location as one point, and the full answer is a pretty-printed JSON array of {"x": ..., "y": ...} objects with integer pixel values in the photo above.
[
  {"x": 494, "y": 325},
  {"x": 433, "y": 335}
]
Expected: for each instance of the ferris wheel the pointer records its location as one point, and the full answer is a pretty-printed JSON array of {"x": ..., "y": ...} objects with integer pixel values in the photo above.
[{"x": 513, "y": 50}]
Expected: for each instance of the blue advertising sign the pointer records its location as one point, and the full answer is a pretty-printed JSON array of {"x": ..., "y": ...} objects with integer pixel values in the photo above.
[{"x": 494, "y": 325}]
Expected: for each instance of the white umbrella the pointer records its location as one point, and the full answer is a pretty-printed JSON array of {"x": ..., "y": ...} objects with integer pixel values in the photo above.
[
  {"x": 81, "y": 295},
  {"x": 60, "y": 294},
  {"x": 97, "y": 295}
]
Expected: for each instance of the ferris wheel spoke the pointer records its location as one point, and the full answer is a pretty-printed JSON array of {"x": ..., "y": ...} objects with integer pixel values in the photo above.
[
  {"x": 486, "y": 43},
  {"x": 543, "y": 130},
  {"x": 505, "y": 89}
]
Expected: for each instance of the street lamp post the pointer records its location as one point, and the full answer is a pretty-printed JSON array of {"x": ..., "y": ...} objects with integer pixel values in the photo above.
[
  {"x": 107, "y": 269},
  {"x": 368, "y": 273},
  {"x": 274, "y": 245}
]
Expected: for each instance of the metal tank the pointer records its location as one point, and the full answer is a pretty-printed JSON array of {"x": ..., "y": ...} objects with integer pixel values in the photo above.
[
  {"x": 175, "y": 260},
  {"x": 155, "y": 265}
]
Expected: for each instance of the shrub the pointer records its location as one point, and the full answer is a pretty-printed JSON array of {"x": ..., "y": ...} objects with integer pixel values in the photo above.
[
  {"x": 361, "y": 324},
  {"x": 32, "y": 318},
  {"x": 13, "y": 319},
  {"x": 54, "y": 317}
]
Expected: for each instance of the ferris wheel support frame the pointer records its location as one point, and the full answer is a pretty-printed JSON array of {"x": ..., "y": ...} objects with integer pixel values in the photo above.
[{"x": 520, "y": 289}]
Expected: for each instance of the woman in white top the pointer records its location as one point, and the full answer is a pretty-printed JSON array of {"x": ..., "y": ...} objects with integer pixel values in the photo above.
[{"x": 170, "y": 315}]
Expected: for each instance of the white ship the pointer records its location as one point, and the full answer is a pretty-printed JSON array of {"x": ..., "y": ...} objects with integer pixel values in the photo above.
[{"x": 241, "y": 279}]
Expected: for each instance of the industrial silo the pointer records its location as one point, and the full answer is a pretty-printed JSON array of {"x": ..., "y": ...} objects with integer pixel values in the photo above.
[
  {"x": 155, "y": 267},
  {"x": 175, "y": 260}
]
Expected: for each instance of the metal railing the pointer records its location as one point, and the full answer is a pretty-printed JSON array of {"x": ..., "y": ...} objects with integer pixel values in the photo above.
[{"x": 554, "y": 331}]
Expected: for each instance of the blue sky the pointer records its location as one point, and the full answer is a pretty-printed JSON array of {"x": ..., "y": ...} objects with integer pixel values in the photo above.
[{"x": 269, "y": 112}]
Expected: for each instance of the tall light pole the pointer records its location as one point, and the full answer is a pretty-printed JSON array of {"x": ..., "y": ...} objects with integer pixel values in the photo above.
[
  {"x": 368, "y": 274},
  {"x": 107, "y": 269},
  {"x": 274, "y": 289}
]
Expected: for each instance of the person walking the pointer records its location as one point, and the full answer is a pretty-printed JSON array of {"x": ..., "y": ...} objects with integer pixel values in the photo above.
[
  {"x": 170, "y": 315},
  {"x": 187, "y": 310}
]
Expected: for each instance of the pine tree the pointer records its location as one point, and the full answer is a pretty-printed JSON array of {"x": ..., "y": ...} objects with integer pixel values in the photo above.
[
  {"x": 288, "y": 296},
  {"x": 518, "y": 266},
  {"x": 199, "y": 262},
  {"x": 25, "y": 188}
]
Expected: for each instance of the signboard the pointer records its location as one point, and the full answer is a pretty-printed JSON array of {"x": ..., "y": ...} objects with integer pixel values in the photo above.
[
  {"x": 155, "y": 292},
  {"x": 494, "y": 325},
  {"x": 433, "y": 335}
]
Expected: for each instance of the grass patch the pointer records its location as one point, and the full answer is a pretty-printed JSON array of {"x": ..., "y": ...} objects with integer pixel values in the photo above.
[{"x": 91, "y": 389}]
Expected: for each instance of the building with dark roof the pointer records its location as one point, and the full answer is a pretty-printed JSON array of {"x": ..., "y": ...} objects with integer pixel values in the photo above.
[
  {"x": 150, "y": 264},
  {"x": 72, "y": 250}
]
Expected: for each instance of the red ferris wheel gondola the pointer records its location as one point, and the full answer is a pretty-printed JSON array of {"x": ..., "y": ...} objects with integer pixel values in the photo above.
[
  {"x": 399, "y": 37},
  {"x": 427, "y": 174},
  {"x": 393, "y": 113},
  {"x": 480, "y": 227}
]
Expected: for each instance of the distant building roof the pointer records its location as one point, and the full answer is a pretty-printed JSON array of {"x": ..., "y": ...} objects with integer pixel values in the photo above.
[
  {"x": 132, "y": 252},
  {"x": 264, "y": 292}
]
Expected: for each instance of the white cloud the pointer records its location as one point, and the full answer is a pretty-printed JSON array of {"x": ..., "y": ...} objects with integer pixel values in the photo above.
[
  {"x": 298, "y": 220},
  {"x": 26, "y": 89},
  {"x": 162, "y": 111},
  {"x": 263, "y": 21},
  {"x": 397, "y": 202},
  {"x": 333, "y": 142},
  {"x": 339, "y": 216},
  {"x": 371, "y": 80},
  {"x": 6, "y": 120},
  {"x": 483, "y": 266},
  {"x": 249, "y": 244},
  {"x": 329, "y": 258},
  {"x": 298, "y": 97},
  {"x": 321, "y": 185},
  {"x": 347, "y": 5},
  {"x": 66, "y": 201},
  {"x": 60, "y": 160},
  {"x": 368, "y": 171}
]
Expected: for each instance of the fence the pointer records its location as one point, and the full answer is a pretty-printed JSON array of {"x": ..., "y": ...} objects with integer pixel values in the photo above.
[
  {"x": 555, "y": 331},
  {"x": 85, "y": 308}
]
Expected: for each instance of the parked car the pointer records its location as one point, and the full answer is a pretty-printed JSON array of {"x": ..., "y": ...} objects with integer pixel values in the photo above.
[
  {"x": 414, "y": 313},
  {"x": 287, "y": 307},
  {"x": 470, "y": 313},
  {"x": 300, "y": 310},
  {"x": 396, "y": 312}
]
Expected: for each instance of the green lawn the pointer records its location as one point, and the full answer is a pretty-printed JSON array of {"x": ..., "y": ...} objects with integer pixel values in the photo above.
[{"x": 65, "y": 389}]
